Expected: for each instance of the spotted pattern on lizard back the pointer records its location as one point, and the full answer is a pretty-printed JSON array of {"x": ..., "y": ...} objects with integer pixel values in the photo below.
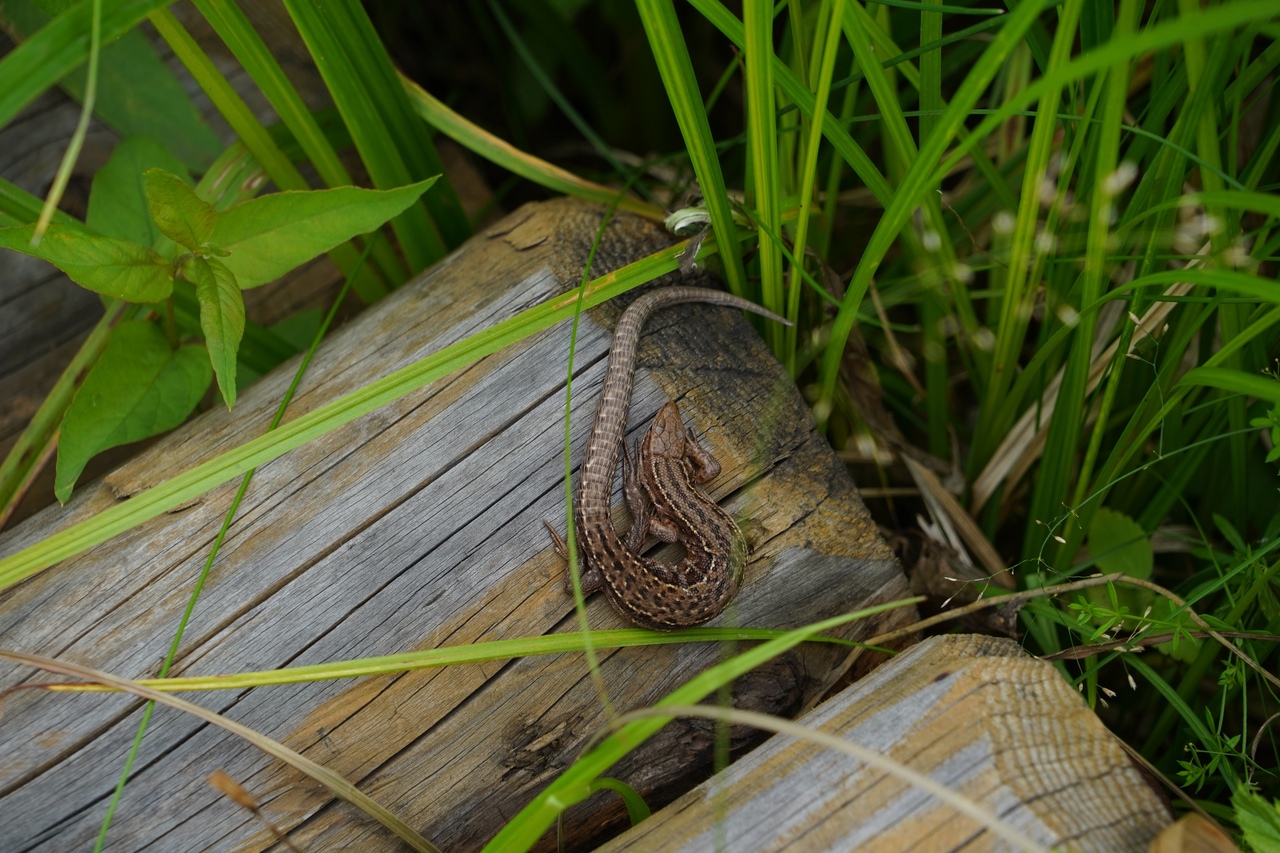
[{"x": 648, "y": 592}]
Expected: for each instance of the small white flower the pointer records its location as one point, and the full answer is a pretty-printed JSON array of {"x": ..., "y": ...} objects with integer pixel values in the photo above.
[
  {"x": 1068, "y": 315},
  {"x": 1002, "y": 222},
  {"x": 1119, "y": 180},
  {"x": 1047, "y": 192},
  {"x": 1237, "y": 254}
]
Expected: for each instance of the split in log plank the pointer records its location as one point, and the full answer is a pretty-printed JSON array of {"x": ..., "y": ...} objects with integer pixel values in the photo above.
[
  {"x": 418, "y": 526},
  {"x": 973, "y": 713}
]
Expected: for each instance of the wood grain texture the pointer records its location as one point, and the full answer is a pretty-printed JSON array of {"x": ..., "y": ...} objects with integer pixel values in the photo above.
[
  {"x": 973, "y": 713},
  {"x": 417, "y": 526}
]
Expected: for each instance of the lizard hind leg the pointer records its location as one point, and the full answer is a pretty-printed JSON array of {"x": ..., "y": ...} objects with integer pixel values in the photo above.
[
  {"x": 637, "y": 499},
  {"x": 591, "y": 578}
]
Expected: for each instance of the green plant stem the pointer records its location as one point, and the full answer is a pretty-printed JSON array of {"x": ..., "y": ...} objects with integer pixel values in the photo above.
[
  {"x": 82, "y": 125},
  {"x": 38, "y": 439},
  {"x": 230, "y": 515}
]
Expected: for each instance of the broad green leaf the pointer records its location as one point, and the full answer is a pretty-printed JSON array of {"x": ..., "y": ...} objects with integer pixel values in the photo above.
[
  {"x": 1259, "y": 820},
  {"x": 271, "y": 235},
  {"x": 221, "y": 318},
  {"x": 118, "y": 201},
  {"x": 104, "y": 265},
  {"x": 1119, "y": 544},
  {"x": 183, "y": 216},
  {"x": 139, "y": 388}
]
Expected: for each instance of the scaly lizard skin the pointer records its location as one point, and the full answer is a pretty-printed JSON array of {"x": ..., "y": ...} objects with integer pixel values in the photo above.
[{"x": 648, "y": 592}]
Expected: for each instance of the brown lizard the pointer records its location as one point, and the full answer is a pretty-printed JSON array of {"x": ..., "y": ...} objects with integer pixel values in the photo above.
[{"x": 648, "y": 592}]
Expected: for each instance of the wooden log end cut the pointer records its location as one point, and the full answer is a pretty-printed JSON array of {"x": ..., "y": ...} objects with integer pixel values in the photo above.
[{"x": 972, "y": 713}]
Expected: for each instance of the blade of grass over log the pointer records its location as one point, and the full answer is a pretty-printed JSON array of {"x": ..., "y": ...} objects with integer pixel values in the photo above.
[
  {"x": 522, "y": 831},
  {"x": 198, "y": 586},
  {"x": 334, "y": 782},
  {"x": 218, "y": 470},
  {"x": 501, "y": 153},
  {"x": 666, "y": 40},
  {"x": 480, "y": 652}
]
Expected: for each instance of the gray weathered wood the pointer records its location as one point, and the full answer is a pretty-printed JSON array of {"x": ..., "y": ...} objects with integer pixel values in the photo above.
[
  {"x": 973, "y": 713},
  {"x": 419, "y": 526}
]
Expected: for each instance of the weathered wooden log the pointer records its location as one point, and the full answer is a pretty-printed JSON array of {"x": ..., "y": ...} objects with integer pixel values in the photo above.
[
  {"x": 974, "y": 714},
  {"x": 419, "y": 526}
]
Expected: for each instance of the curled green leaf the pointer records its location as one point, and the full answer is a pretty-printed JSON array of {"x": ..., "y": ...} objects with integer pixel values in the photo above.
[{"x": 179, "y": 213}]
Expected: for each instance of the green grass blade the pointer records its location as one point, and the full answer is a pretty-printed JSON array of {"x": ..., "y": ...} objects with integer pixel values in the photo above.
[
  {"x": 1059, "y": 462},
  {"x": 672, "y": 56},
  {"x": 484, "y": 144},
  {"x": 59, "y": 47},
  {"x": 762, "y": 150},
  {"x": 214, "y": 472},
  {"x": 392, "y": 143},
  {"x": 795, "y": 91},
  {"x": 922, "y": 173},
  {"x": 229, "y": 104},
  {"x": 1017, "y": 299},
  {"x": 522, "y": 831},
  {"x": 481, "y": 652}
]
